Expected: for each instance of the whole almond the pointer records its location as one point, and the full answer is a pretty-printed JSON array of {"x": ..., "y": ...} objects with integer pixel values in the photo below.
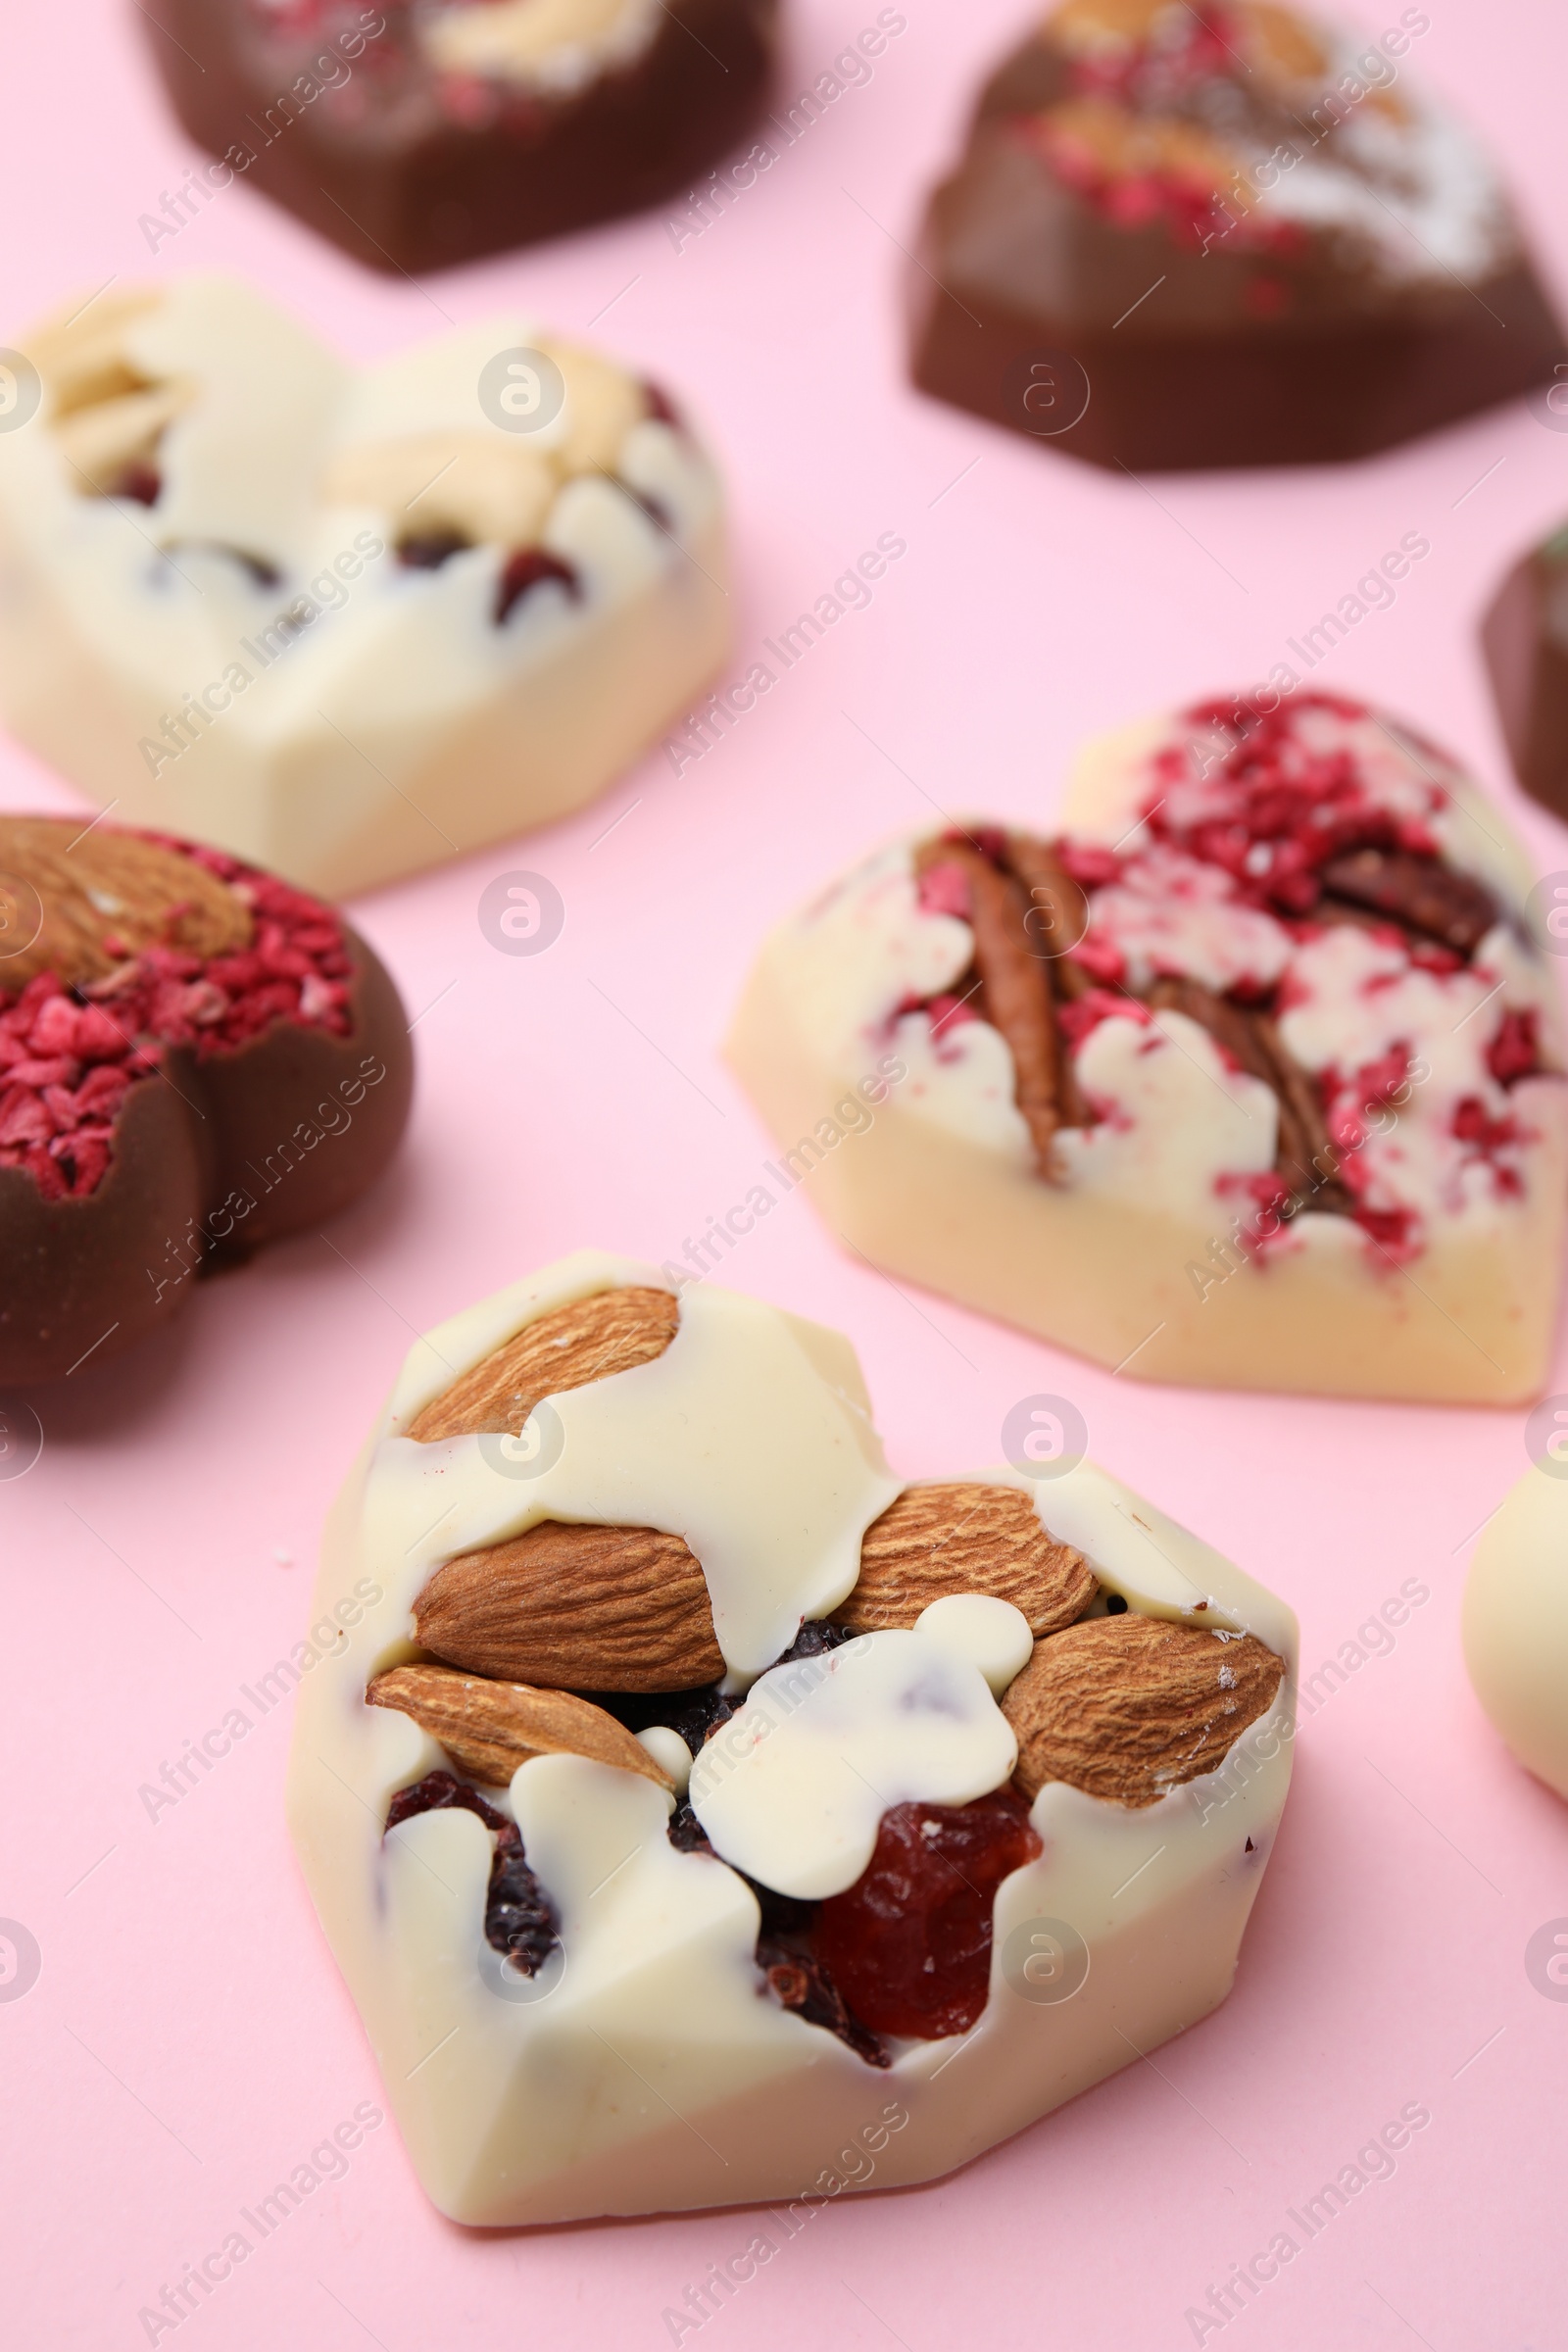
[
  {"x": 614, "y": 1330},
  {"x": 1128, "y": 1707},
  {"x": 100, "y": 896},
  {"x": 964, "y": 1538},
  {"x": 575, "y": 1608},
  {"x": 488, "y": 1728}
]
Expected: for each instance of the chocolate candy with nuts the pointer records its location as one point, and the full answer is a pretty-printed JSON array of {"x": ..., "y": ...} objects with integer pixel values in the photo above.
[
  {"x": 668, "y": 1722},
  {"x": 195, "y": 1059},
  {"x": 419, "y": 137},
  {"x": 345, "y": 623},
  {"x": 1225, "y": 235},
  {"x": 1248, "y": 1075}
]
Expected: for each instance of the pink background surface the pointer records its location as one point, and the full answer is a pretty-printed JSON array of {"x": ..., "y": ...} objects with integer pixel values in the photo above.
[{"x": 188, "y": 2041}]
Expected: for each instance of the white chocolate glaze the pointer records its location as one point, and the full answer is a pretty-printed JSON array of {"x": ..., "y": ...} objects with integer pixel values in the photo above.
[
  {"x": 791, "y": 1790},
  {"x": 991, "y": 1633},
  {"x": 1444, "y": 1289},
  {"x": 1516, "y": 1619},
  {"x": 647, "y": 2068},
  {"x": 398, "y": 722}
]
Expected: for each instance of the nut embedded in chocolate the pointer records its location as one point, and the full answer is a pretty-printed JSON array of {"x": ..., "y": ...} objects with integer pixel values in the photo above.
[{"x": 195, "y": 1059}]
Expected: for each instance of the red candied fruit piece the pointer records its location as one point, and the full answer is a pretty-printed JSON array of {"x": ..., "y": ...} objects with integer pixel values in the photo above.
[{"x": 909, "y": 1945}]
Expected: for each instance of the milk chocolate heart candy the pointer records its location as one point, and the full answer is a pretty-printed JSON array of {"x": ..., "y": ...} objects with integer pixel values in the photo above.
[
  {"x": 195, "y": 1059},
  {"x": 1226, "y": 235},
  {"x": 1250, "y": 1075},
  {"x": 1524, "y": 638},
  {"x": 345, "y": 625},
  {"x": 419, "y": 137},
  {"x": 980, "y": 1757}
]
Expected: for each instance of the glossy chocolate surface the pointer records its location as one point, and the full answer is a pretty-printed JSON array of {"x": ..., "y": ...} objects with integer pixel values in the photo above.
[
  {"x": 408, "y": 169},
  {"x": 1106, "y": 272}
]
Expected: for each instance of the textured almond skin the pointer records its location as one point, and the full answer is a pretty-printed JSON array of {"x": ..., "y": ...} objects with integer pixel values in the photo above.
[
  {"x": 615, "y": 1331},
  {"x": 575, "y": 1608},
  {"x": 964, "y": 1538},
  {"x": 488, "y": 1728},
  {"x": 101, "y": 884},
  {"x": 1128, "y": 1707}
]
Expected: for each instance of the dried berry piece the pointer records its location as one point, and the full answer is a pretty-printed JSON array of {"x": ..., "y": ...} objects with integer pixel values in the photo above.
[
  {"x": 909, "y": 1945},
  {"x": 686, "y": 1833},
  {"x": 814, "y": 1640},
  {"x": 529, "y": 568},
  {"x": 1421, "y": 893},
  {"x": 519, "y": 1919},
  {"x": 427, "y": 551},
  {"x": 798, "y": 1982}
]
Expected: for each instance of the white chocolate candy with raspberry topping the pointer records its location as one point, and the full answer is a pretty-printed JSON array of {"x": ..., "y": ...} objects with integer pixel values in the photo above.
[
  {"x": 246, "y": 658},
  {"x": 1516, "y": 1616},
  {"x": 648, "y": 2067},
  {"x": 1153, "y": 1242}
]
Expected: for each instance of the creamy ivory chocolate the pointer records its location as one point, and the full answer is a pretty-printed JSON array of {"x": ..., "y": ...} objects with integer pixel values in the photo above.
[
  {"x": 346, "y": 623},
  {"x": 1515, "y": 1619},
  {"x": 1249, "y": 1073},
  {"x": 1524, "y": 638},
  {"x": 416, "y": 136},
  {"x": 1222, "y": 235},
  {"x": 685, "y": 1801},
  {"x": 195, "y": 1060}
]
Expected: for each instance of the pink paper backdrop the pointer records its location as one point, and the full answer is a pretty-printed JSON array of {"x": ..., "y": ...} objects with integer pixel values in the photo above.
[{"x": 187, "y": 2042}]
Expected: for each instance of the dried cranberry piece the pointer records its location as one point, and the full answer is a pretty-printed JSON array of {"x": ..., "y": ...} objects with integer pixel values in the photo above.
[
  {"x": 529, "y": 568},
  {"x": 909, "y": 1945},
  {"x": 427, "y": 551},
  {"x": 519, "y": 1919},
  {"x": 661, "y": 409},
  {"x": 143, "y": 483}
]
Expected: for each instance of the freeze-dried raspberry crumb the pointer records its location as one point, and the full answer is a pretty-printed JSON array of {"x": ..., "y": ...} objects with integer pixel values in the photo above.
[
  {"x": 68, "y": 1057},
  {"x": 1515, "y": 1051},
  {"x": 909, "y": 1945}
]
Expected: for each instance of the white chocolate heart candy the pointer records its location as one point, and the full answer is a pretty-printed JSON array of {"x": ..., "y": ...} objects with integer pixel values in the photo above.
[
  {"x": 345, "y": 624},
  {"x": 1245, "y": 1069},
  {"x": 577, "y": 2007},
  {"x": 1516, "y": 1621}
]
